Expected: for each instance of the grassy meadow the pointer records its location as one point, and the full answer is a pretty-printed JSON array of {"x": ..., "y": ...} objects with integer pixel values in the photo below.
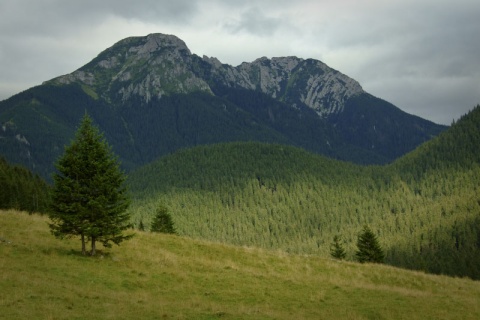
[{"x": 156, "y": 276}]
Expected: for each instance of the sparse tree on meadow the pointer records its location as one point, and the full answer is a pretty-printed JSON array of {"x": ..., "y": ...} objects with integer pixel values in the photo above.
[
  {"x": 162, "y": 222},
  {"x": 369, "y": 249},
  {"x": 336, "y": 249},
  {"x": 89, "y": 197}
]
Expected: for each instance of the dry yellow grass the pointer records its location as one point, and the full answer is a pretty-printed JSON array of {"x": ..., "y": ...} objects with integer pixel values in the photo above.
[{"x": 157, "y": 276}]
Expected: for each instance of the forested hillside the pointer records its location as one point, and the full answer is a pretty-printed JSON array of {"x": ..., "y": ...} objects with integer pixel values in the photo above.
[
  {"x": 20, "y": 189},
  {"x": 454, "y": 149},
  {"x": 424, "y": 207}
]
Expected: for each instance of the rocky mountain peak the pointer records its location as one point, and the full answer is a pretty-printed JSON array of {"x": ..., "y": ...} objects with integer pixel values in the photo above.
[
  {"x": 292, "y": 80},
  {"x": 157, "y": 42},
  {"x": 148, "y": 67},
  {"x": 160, "y": 64}
]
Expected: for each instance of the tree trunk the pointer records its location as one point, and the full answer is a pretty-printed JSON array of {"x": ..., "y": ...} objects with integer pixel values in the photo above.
[
  {"x": 83, "y": 245},
  {"x": 93, "y": 247}
]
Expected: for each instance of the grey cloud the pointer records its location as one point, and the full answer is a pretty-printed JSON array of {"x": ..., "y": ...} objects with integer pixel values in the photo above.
[
  {"x": 60, "y": 16},
  {"x": 423, "y": 58},
  {"x": 178, "y": 11},
  {"x": 43, "y": 39},
  {"x": 436, "y": 40},
  {"x": 253, "y": 21},
  {"x": 441, "y": 100}
]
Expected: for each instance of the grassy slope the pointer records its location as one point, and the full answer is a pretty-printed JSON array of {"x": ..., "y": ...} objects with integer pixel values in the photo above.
[{"x": 161, "y": 276}]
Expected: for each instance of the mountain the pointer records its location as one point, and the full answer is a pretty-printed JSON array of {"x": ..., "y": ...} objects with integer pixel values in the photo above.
[
  {"x": 151, "y": 96},
  {"x": 424, "y": 206}
]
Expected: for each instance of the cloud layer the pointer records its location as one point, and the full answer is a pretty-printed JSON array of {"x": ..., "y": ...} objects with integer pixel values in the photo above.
[{"x": 420, "y": 55}]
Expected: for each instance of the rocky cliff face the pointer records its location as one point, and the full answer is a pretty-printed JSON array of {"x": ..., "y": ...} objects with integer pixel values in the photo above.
[
  {"x": 292, "y": 80},
  {"x": 158, "y": 65}
]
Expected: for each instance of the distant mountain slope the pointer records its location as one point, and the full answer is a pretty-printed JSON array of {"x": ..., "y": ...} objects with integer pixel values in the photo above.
[
  {"x": 376, "y": 125},
  {"x": 152, "y": 96},
  {"x": 424, "y": 207},
  {"x": 456, "y": 148}
]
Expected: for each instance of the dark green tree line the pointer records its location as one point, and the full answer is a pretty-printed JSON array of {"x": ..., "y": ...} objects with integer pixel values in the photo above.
[{"x": 22, "y": 190}]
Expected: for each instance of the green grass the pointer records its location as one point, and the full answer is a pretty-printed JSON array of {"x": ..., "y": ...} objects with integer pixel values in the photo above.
[{"x": 155, "y": 276}]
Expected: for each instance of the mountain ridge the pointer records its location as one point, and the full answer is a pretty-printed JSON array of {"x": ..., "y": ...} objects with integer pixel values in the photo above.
[
  {"x": 270, "y": 76},
  {"x": 152, "y": 96}
]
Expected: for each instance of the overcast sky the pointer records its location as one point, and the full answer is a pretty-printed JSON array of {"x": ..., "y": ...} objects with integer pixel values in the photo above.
[{"x": 421, "y": 55}]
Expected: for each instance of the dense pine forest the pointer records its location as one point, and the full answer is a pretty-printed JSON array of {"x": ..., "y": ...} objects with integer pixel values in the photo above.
[
  {"x": 424, "y": 207},
  {"x": 20, "y": 189}
]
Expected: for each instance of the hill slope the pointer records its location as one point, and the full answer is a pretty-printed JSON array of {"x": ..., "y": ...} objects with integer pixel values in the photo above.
[
  {"x": 423, "y": 207},
  {"x": 157, "y": 276},
  {"x": 152, "y": 96}
]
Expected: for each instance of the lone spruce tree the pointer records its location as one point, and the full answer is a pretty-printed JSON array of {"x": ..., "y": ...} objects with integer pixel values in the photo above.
[
  {"x": 369, "y": 249},
  {"x": 89, "y": 199}
]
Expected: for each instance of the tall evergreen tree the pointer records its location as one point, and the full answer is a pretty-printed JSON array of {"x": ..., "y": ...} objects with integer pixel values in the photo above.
[
  {"x": 89, "y": 198},
  {"x": 369, "y": 249},
  {"x": 336, "y": 249}
]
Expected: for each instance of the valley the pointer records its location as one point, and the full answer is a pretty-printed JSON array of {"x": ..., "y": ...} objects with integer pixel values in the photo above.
[{"x": 424, "y": 207}]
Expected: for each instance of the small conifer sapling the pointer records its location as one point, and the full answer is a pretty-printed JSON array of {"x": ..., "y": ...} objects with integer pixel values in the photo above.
[
  {"x": 162, "y": 222},
  {"x": 369, "y": 250},
  {"x": 336, "y": 249}
]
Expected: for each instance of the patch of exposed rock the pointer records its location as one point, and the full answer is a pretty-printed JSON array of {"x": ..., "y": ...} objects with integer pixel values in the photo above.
[
  {"x": 159, "y": 64},
  {"x": 292, "y": 80}
]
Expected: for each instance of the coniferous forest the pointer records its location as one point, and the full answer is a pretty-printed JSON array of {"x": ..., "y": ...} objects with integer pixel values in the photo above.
[
  {"x": 424, "y": 207},
  {"x": 22, "y": 190}
]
